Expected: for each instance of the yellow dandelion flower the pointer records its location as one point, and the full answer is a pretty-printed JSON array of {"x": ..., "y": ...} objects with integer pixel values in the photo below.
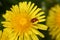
[
  {"x": 4, "y": 36},
  {"x": 0, "y": 34},
  {"x": 22, "y": 22},
  {"x": 53, "y": 21}
]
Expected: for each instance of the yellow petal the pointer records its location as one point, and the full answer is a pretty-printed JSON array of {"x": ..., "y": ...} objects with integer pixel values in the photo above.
[
  {"x": 0, "y": 34},
  {"x": 27, "y": 36},
  {"x": 14, "y": 8},
  {"x": 24, "y": 6},
  {"x": 4, "y": 36},
  {"x": 39, "y": 14},
  {"x": 41, "y": 20},
  {"x": 52, "y": 13},
  {"x": 31, "y": 7},
  {"x": 41, "y": 17},
  {"x": 8, "y": 15},
  {"x": 34, "y": 37},
  {"x": 37, "y": 32},
  {"x": 7, "y": 24},
  {"x": 58, "y": 37},
  {"x": 42, "y": 27},
  {"x": 55, "y": 31},
  {"x": 21, "y": 37},
  {"x": 13, "y": 35},
  {"x": 29, "y": 4},
  {"x": 16, "y": 37},
  {"x": 35, "y": 27},
  {"x": 20, "y": 7},
  {"x": 33, "y": 10}
]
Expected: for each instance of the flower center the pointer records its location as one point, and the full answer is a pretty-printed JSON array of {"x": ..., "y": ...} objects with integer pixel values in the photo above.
[
  {"x": 22, "y": 24},
  {"x": 58, "y": 19},
  {"x": 23, "y": 21}
]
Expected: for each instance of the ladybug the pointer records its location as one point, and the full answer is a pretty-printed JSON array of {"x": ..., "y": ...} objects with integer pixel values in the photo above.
[{"x": 34, "y": 20}]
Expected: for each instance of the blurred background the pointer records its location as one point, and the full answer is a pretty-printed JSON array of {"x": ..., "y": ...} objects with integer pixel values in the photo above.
[{"x": 44, "y": 4}]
